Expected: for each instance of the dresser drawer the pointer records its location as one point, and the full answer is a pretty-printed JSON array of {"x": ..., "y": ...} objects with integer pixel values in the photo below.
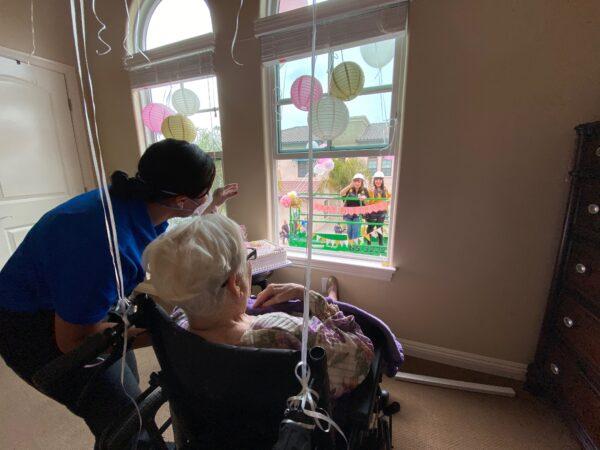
[
  {"x": 580, "y": 329},
  {"x": 574, "y": 391},
  {"x": 586, "y": 219},
  {"x": 582, "y": 269},
  {"x": 589, "y": 160}
]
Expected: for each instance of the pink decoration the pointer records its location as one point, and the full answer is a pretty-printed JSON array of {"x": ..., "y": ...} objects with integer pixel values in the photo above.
[
  {"x": 285, "y": 201},
  {"x": 327, "y": 163},
  {"x": 375, "y": 207},
  {"x": 389, "y": 157},
  {"x": 300, "y": 92},
  {"x": 153, "y": 115}
]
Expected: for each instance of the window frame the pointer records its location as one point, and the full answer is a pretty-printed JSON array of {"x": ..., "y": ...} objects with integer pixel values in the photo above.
[{"x": 393, "y": 148}]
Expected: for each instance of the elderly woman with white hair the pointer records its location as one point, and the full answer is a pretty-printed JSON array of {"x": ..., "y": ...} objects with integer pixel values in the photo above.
[{"x": 201, "y": 266}]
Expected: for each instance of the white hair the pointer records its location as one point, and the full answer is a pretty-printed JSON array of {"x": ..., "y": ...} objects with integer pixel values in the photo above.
[{"x": 189, "y": 264}]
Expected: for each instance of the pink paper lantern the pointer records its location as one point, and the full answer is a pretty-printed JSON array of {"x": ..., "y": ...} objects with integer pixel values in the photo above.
[
  {"x": 154, "y": 114},
  {"x": 285, "y": 201},
  {"x": 300, "y": 92}
]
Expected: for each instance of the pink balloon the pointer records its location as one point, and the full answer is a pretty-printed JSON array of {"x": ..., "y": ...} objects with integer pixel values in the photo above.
[
  {"x": 153, "y": 115},
  {"x": 327, "y": 163},
  {"x": 300, "y": 92},
  {"x": 285, "y": 201}
]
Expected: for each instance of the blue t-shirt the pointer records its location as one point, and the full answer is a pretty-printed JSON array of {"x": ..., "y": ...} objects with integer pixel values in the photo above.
[{"x": 64, "y": 263}]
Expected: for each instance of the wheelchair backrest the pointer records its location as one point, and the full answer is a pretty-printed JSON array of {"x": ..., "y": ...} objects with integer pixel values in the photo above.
[{"x": 220, "y": 395}]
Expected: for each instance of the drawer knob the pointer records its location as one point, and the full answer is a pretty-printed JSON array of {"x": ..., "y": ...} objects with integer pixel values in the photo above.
[
  {"x": 568, "y": 322},
  {"x": 580, "y": 268},
  {"x": 554, "y": 369},
  {"x": 593, "y": 209}
]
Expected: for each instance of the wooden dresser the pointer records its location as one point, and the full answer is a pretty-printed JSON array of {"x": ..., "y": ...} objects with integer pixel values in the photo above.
[{"x": 567, "y": 363}]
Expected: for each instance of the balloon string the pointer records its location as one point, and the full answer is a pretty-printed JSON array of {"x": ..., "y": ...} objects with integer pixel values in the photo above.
[
  {"x": 235, "y": 35},
  {"x": 33, "y": 47},
  {"x": 108, "y": 48},
  {"x": 305, "y": 399},
  {"x": 101, "y": 177}
]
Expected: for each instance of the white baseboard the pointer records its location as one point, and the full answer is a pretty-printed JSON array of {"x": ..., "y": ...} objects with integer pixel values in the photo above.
[{"x": 471, "y": 361}]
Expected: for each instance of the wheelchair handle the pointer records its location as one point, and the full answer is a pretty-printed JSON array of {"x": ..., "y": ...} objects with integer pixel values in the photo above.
[{"x": 93, "y": 346}]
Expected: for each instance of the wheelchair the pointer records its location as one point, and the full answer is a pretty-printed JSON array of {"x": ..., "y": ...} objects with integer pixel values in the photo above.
[{"x": 228, "y": 397}]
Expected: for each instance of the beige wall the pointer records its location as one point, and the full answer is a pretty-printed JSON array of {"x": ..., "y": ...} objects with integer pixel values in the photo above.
[
  {"x": 493, "y": 92},
  {"x": 52, "y": 28}
]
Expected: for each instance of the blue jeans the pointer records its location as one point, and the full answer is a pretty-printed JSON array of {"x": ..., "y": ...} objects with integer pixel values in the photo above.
[{"x": 353, "y": 228}]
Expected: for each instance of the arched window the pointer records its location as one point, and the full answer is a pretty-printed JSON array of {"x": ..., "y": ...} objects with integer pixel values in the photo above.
[
  {"x": 171, "y": 72},
  {"x": 167, "y": 21}
]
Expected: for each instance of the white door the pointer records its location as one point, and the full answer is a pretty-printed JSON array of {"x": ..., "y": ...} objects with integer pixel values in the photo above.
[{"x": 39, "y": 166}]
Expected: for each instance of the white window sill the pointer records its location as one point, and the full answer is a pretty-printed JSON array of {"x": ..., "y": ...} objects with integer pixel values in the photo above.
[{"x": 367, "y": 269}]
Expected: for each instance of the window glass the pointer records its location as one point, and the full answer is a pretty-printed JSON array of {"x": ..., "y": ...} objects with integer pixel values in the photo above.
[
  {"x": 206, "y": 120},
  {"x": 351, "y": 232},
  {"x": 176, "y": 20},
  {"x": 289, "y": 5},
  {"x": 372, "y": 165},
  {"x": 386, "y": 166},
  {"x": 302, "y": 168},
  {"x": 369, "y": 113}
]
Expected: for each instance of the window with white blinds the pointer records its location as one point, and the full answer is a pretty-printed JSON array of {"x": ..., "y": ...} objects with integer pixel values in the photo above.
[
  {"x": 288, "y": 35},
  {"x": 355, "y": 98}
]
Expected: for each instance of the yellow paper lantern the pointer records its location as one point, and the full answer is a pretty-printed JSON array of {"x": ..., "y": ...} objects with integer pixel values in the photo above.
[
  {"x": 347, "y": 81},
  {"x": 178, "y": 127}
]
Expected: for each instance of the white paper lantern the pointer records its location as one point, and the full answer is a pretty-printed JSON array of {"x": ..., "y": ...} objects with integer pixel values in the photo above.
[
  {"x": 185, "y": 102},
  {"x": 329, "y": 118},
  {"x": 378, "y": 54}
]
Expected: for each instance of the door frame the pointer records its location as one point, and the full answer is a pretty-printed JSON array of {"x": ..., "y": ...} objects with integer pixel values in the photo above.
[{"x": 76, "y": 108}]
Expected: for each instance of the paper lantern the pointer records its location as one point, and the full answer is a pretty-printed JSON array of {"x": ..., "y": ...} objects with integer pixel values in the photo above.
[
  {"x": 178, "y": 127},
  {"x": 347, "y": 81},
  {"x": 329, "y": 118},
  {"x": 378, "y": 54},
  {"x": 154, "y": 114},
  {"x": 185, "y": 102},
  {"x": 285, "y": 201},
  {"x": 300, "y": 92}
]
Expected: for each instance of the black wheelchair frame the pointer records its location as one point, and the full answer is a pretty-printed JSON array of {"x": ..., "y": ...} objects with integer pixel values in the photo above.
[{"x": 365, "y": 415}]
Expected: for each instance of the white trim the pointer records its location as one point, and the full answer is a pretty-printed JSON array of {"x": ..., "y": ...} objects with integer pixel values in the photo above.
[
  {"x": 471, "y": 361},
  {"x": 73, "y": 93},
  {"x": 367, "y": 268},
  {"x": 456, "y": 384}
]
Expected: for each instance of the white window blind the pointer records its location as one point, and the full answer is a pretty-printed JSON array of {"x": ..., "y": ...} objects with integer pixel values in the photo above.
[
  {"x": 288, "y": 35},
  {"x": 191, "y": 58}
]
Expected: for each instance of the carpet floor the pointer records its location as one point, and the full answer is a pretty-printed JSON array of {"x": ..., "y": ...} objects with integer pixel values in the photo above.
[{"x": 430, "y": 418}]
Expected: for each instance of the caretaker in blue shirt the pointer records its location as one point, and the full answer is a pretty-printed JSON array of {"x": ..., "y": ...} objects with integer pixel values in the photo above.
[{"x": 59, "y": 285}]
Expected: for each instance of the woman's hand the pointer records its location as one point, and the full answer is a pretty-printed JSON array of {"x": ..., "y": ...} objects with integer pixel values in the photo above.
[
  {"x": 278, "y": 293},
  {"x": 222, "y": 194}
]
